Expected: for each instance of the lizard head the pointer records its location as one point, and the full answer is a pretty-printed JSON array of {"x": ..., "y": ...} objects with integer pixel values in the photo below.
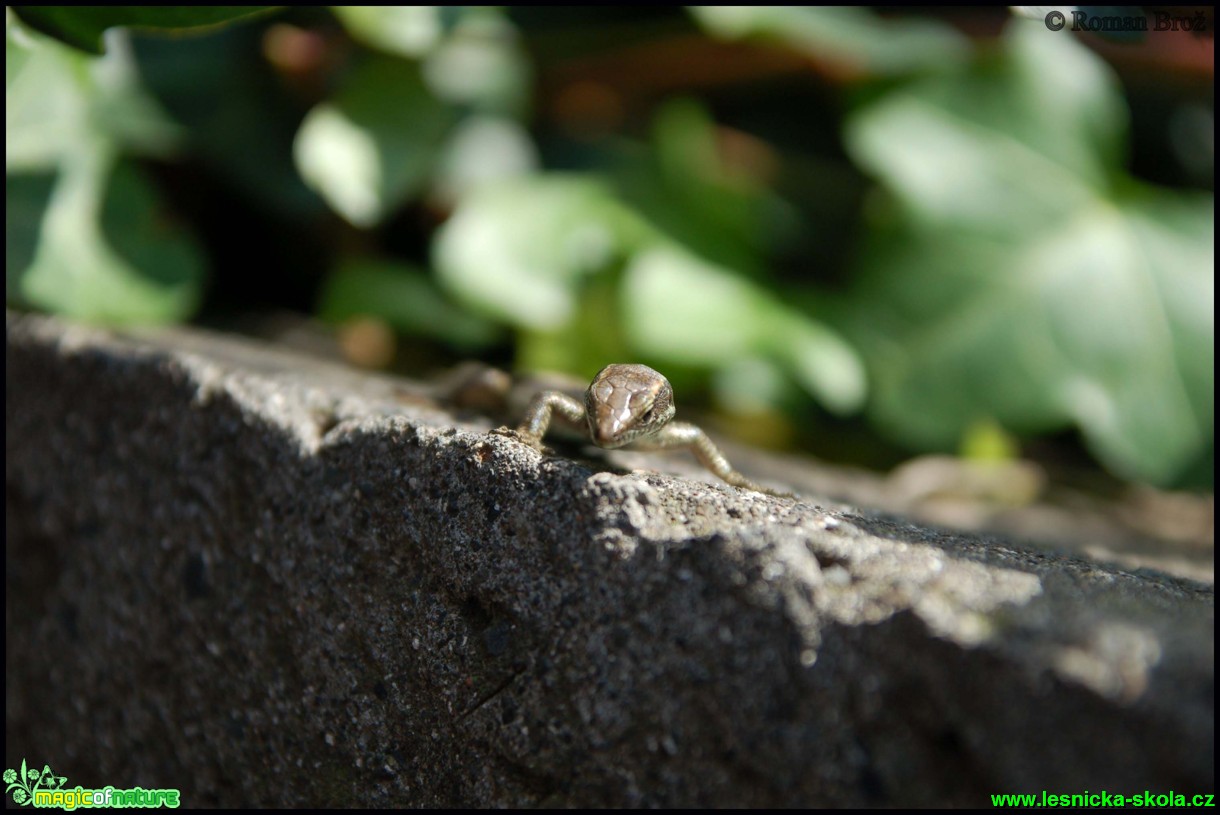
[{"x": 627, "y": 402}]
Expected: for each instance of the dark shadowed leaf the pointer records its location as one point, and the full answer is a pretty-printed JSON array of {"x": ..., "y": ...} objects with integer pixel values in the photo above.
[
  {"x": 83, "y": 26},
  {"x": 405, "y": 298}
]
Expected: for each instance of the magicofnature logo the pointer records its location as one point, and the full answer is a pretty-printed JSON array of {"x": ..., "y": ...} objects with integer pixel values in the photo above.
[
  {"x": 43, "y": 788},
  {"x": 23, "y": 785}
]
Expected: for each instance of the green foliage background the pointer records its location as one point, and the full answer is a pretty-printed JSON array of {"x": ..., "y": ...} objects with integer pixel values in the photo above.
[{"x": 943, "y": 236}]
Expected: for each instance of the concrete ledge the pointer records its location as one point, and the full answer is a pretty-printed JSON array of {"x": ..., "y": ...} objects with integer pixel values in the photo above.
[{"x": 269, "y": 581}]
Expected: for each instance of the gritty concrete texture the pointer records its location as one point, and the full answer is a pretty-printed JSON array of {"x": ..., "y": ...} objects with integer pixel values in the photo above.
[{"x": 267, "y": 580}]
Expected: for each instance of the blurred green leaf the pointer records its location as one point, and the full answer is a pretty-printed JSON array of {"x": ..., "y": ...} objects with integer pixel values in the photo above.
[
  {"x": 823, "y": 362},
  {"x": 519, "y": 251},
  {"x": 83, "y": 26},
  {"x": 106, "y": 254},
  {"x": 1023, "y": 277},
  {"x": 101, "y": 247},
  {"x": 752, "y": 385},
  {"x": 680, "y": 308},
  {"x": 483, "y": 150},
  {"x": 1041, "y": 128},
  {"x": 46, "y": 104},
  {"x": 375, "y": 144},
  {"x": 404, "y": 297},
  {"x": 481, "y": 65},
  {"x": 60, "y": 103},
  {"x": 407, "y": 31},
  {"x": 852, "y": 36}
]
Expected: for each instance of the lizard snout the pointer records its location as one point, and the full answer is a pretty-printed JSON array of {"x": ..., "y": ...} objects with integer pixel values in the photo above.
[{"x": 607, "y": 431}]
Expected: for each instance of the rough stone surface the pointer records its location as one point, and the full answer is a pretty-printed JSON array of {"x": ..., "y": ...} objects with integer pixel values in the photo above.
[{"x": 270, "y": 581}]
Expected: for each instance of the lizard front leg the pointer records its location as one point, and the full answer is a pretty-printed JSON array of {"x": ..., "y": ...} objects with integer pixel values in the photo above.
[
  {"x": 684, "y": 434},
  {"x": 538, "y": 415}
]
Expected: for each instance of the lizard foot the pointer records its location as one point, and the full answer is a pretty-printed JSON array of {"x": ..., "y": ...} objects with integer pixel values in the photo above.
[{"x": 516, "y": 435}]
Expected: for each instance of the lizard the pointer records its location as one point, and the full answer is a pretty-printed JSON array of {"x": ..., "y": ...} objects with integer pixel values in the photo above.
[{"x": 624, "y": 404}]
